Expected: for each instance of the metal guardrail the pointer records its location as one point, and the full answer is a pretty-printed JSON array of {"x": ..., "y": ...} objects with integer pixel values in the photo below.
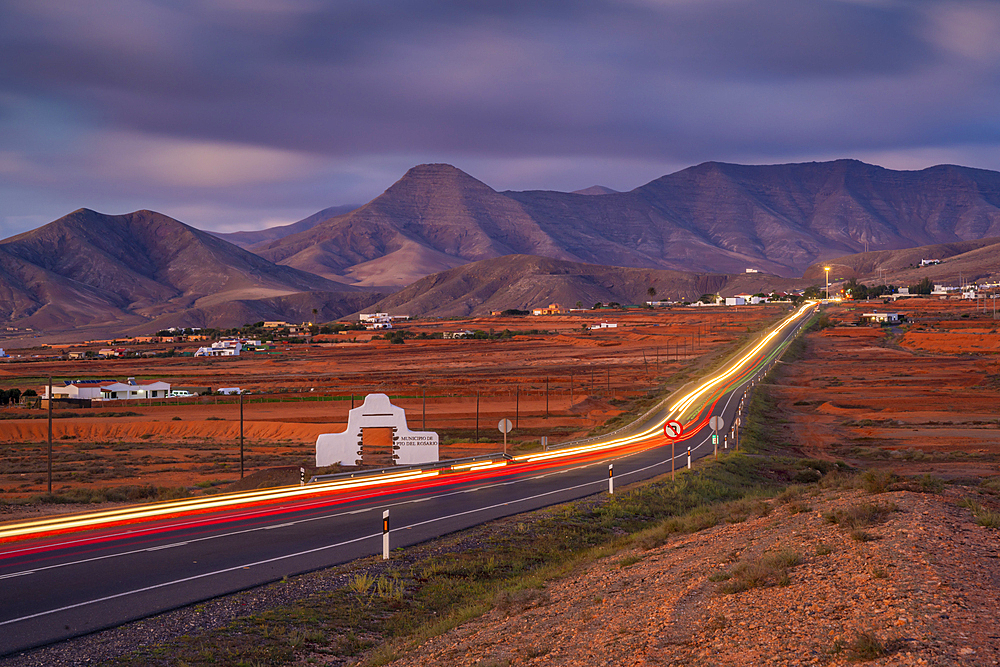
[{"x": 444, "y": 463}]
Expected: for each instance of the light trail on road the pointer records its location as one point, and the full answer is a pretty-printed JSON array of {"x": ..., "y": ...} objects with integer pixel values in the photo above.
[{"x": 746, "y": 364}]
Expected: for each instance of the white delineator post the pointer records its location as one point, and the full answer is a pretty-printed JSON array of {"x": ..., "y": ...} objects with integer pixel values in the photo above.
[
  {"x": 611, "y": 478},
  {"x": 385, "y": 535},
  {"x": 689, "y": 456}
]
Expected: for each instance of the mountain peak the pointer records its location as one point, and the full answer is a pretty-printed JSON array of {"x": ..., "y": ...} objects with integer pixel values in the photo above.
[{"x": 595, "y": 190}]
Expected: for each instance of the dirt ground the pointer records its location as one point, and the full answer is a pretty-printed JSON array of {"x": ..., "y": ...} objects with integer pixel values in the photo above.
[
  {"x": 919, "y": 398},
  {"x": 561, "y": 381}
]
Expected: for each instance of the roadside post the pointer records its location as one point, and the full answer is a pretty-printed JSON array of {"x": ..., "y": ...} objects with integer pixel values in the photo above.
[
  {"x": 385, "y": 535},
  {"x": 717, "y": 423},
  {"x": 505, "y": 425},
  {"x": 672, "y": 430},
  {"x": 611, "y": 478},
  {"x": 689, "y": 456}
]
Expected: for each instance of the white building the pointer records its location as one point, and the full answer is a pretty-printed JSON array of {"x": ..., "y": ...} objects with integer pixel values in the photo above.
[
  {"x": 735, "y": 301},
  {"x": 222, "y": 348},
  {"x": 928, "y": 262},
  {"x": 604, "y": 325},
  {"x": 108, "y": 390},
  {"x": 890, "y": 318}
]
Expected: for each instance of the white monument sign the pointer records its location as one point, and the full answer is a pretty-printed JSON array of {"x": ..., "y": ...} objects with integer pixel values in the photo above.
[{"x": 378, "y": 415}]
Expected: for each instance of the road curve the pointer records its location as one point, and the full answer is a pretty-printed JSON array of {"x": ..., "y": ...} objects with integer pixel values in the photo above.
[{"x": 68, "y": 576}]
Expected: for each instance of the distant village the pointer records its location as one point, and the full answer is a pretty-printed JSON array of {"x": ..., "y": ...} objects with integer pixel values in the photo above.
[{"x": 271, "y": 337}]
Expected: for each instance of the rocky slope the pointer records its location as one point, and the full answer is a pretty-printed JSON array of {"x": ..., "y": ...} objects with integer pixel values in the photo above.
[
  {"x": 917, "y": 590},
  {"x": 524, "y": 282}
]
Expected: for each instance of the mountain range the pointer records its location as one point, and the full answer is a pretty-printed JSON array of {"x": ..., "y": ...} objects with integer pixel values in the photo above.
[
  {"x": 462, "y": 247},
  {"x": 710, "y": 218}
]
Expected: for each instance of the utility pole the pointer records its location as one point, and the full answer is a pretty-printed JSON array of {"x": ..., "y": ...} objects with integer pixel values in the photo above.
[
  {"x": 50, "y": 436},
  {"x": 477, "y": 417},
  {"x": 517, "y": 404},
  {"x": 241, "y": 434}
]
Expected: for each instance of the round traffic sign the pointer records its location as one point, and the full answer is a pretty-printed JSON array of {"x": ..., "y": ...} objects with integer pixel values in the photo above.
[
  {"x": 505, "y": 425},
  {"x": 717, "y": 423},
  {"x": 673, "y": 429}
]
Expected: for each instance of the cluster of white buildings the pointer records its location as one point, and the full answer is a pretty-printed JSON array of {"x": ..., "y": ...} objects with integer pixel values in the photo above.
[
  {"x": 379, "y": 320},
  {"x": 225, "y": 348}
]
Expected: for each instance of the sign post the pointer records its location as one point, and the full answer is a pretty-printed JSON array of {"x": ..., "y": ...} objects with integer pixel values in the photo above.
[
  {"x": 717, "y": 423},
  {"x": 505, "y": 425},
  {"x": 672, "y": 430},
  {"x": 611, "y": 478}
]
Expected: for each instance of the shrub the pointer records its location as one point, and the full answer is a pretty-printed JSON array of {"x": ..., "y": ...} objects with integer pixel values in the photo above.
[
  {"x": 769, "y": 570},
  {"x": 877, "y": 481}
]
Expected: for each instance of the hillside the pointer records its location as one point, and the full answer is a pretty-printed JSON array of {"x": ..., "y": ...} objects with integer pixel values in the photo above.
[
  {"x": 711, "y": 218},
  {"x": 524, "y": 282},
  {"x": 89, "y": 269},
  {"x": 965, "y": 262}
]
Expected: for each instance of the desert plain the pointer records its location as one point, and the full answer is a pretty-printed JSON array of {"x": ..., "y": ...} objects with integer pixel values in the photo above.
[{"x": 552, "y": 376}]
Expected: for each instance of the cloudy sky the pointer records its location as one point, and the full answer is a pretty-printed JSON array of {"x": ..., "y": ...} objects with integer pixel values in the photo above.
[{"x": 241, "y": 114}]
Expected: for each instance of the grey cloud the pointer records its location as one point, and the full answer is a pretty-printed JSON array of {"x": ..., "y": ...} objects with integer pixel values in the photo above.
[{"x": 651, "y": 81}]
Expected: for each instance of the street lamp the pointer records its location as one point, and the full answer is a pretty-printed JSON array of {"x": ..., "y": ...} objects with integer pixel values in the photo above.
[{"x": 827, "y": 269}]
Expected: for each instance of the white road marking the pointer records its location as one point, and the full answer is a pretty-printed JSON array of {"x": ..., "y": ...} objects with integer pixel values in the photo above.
[
  {"x": 166, "y": 546},
  {"x": 184, "y": 580}
]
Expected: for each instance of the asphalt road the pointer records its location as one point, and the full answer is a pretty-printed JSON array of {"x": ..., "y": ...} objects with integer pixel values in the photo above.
[{"x": 56, "y": 586}]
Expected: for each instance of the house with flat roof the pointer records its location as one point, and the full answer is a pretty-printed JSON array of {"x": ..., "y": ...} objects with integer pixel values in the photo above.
[
  {"x": 882, "y": 318},
  {"x": 551, "y": 309},
  {"x": 107, "y": 390}
]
